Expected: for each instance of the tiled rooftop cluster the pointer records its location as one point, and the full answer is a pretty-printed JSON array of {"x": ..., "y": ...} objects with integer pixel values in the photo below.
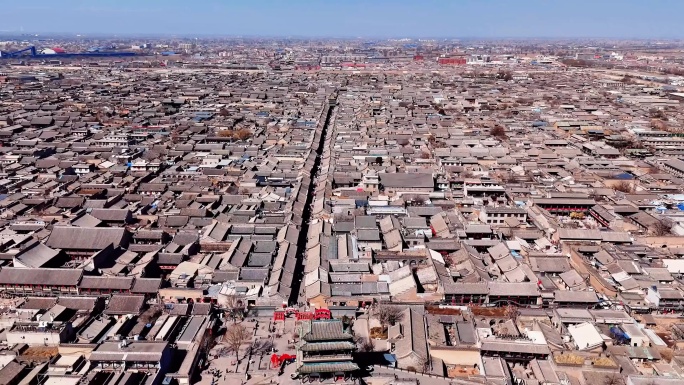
[
  {"x": 554, "y": 194},
  {"x": 150, "y": 193},
  {"x": 522, "y": 216}
]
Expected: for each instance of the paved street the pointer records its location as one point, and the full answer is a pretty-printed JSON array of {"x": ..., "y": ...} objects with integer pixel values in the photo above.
[{"x": 258, "y": 365}]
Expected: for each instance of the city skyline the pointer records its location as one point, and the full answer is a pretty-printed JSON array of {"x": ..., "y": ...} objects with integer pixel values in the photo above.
[{"x": 379, "y": 19}]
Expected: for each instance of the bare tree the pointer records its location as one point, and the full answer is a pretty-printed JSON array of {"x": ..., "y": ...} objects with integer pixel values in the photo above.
[
  {"x": 510, "y": 178},
  {"x": 236, "y": 336},
  {"x": 656, "y": 113},
  {"x": 367, "y": 345},
  {"x": 425, "y": 365},
  {"x": 234, "y": 307},
  {"x": 624, "y": 186},
  {"x": 422, "y": 366},
  {"x": 242, "y": 134},
  {"x": 388, "y": 315},
  {"x": 151, "y": 314},
  {"x": 151, "y": 155},
  {"x": 225, "y": 133},
  {"x": 652, "y": 170},
  {"x": 666, "y": 354},
  {"x": 512, "y": 312},
  {"x": 627, "y": 79},
  {"x": 419, "y": 200},
  {"x": 659, "y": 124},
  {"x": 498, "y": 132},
  {"x": 448, "y": 260},
  {"x": 261, "y": 347},
  {"x": 614, "y": 379},
  {"x": 662, "y": 227}
]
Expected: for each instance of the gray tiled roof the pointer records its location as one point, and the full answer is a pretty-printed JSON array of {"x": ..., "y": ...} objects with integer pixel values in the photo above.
[
  {"x": 85, "y": 238},
  {"x": 326, "y": 330},
  {"x": 40, "y": 276}
]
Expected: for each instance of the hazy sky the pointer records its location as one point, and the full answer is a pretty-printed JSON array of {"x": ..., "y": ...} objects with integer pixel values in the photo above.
[{"x": 351, "y": 18}]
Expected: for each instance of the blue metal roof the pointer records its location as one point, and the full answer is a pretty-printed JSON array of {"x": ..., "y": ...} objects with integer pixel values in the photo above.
[
  {"x": 624, "y": 176},
  {"x": 391, "y": 358}
]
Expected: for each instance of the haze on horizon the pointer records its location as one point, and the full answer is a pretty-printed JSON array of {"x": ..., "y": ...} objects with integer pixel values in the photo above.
[{"x": 653, "y": 19}]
